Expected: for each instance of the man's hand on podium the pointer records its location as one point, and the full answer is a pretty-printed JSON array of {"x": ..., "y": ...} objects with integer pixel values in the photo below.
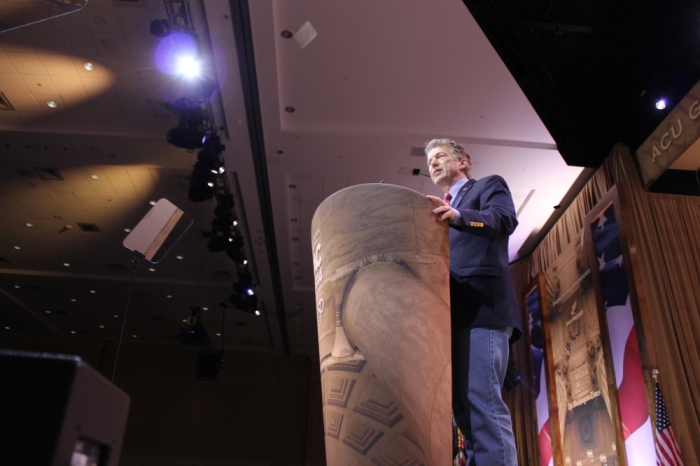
[{"x": 442, "y": 211}]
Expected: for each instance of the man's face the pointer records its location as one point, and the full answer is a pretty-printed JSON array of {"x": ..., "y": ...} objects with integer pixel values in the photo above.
[{"x": 443, "y": 167}]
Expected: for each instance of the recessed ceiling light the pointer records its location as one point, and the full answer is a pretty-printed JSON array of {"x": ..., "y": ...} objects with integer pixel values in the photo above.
[
  {"x": 31, "y": 185},
  {"x": 184, "y": 320},
  {"x": 152, "y": 202},
  {"x": 7, "y": 328},
  {"x": 128, "y": 230},
  {"x": 73, "y": 299},
  {"x": 169, "y": 296},
  {"x": 66, "y": 264},
  {"x": 16, "y": 286},
  {"x": 218, "y": 334},
  {"x": 95, "y": 176},
  {"x": 29, "y": 224},
  {"x": 58, "y": 217},
  {"x": 102, "y": 326},
  {"x": 115, "y": 315},
  {"x": 151, "y": 269},
  {"x": 93, "y": 291},
  {"x": 48, "y": 312},
  {"x": 133, "y": 336},
  {"x": 179, "y": 257},
  {"x": 88, "y": 66},
  {"x": 17, "y": 248},
  {"x": 205, "y": 308},
  {"x": 72, "y": 331},
  {"x": 51, "y": 103}
]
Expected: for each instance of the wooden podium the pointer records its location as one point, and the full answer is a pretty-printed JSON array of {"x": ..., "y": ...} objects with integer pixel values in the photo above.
[{"x": 381, "y": 266}]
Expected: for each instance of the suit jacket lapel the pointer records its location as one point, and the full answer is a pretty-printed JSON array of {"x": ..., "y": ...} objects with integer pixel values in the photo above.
[{"x": 462, "y": 192}]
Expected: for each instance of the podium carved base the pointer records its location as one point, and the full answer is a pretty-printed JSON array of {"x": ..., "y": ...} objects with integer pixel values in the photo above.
[{"x": 382, "y": 286}]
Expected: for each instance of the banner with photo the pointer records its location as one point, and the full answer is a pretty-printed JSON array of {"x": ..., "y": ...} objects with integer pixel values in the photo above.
[
  {"x": 585, "y": 410},
  {"x": 539, "y": 368},
  {"x": 636, "y": 423}
]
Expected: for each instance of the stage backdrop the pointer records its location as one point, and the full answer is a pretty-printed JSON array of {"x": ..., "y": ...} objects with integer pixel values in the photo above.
[
  {"x": 628, "y": 344},
  {"x": 586, "y": 426},
  {"x": 537, "y": 366},
  {"x": 660, "y": 251}
]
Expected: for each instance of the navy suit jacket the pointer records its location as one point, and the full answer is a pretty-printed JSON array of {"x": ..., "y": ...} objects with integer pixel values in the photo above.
[{"x": 481, "y": 286}]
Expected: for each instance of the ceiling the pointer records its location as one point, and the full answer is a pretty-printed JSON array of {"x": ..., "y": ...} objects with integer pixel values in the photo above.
[{"x": 301, "y": 118}]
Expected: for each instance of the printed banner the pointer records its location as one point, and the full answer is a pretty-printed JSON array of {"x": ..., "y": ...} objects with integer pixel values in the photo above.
[
  {"x": 586, "y": 431},
  {"x": 538, "y": 370},
  {"x": 634, "y": 412}
]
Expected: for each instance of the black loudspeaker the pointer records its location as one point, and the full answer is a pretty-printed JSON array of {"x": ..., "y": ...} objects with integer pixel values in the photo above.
[{"x": 55, "y": 410}]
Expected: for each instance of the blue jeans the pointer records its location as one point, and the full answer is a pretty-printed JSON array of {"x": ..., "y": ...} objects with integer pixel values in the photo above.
[{"x": 479, "y": 360}]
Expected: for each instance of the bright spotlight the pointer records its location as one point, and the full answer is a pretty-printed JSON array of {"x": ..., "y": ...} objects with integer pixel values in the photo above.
[
  {"x": 257, "y": 313},
  {"x": 188, "y": 67},
  {"x": 250, "y": 292},
  {"x": 661, "y": 104}
]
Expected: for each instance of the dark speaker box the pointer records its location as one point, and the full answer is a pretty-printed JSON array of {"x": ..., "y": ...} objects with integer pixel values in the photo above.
[{"x": 55, "y": 410}]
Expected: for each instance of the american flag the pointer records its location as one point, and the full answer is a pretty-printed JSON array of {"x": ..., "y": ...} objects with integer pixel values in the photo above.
[{"x": 667, "y": 451}]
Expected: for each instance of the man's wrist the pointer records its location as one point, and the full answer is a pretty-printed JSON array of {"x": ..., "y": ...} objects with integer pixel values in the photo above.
[{"x": 457, "y": 220}]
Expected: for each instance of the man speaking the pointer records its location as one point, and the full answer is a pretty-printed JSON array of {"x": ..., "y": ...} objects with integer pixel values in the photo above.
[{"x": 485, "y": 314}]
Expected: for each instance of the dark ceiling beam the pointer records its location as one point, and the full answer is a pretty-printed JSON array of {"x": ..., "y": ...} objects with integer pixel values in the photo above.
[
  {"x": 511, "y": 40},
  {"x": 560, "y": 28},
  {"x": 242, "y": 30},
  {"x": 595, "y": 86}
]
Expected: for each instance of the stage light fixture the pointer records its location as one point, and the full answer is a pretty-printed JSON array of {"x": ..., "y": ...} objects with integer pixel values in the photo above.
[
  {"x": 244, "y": 303},
  {"x": 211, "y": 161},
  {"x": 202, "y": 184},
  {"x": 160, "y": 27},
  {"x": 244, "y": 298},
  {"x": 190, "y": 130},
  {"x": 222, "y": 213},
  {"x": 218, "y": 243},
  {"x": 173, "y": 47},
  {"x": 194, "y": 334},
  {"x": 236, "y": 255},
  {"x": 235, "y": 250},
  {"x": 661, "y": 104},
  {"x": 188, "y": 66},
  {"x": 213, "y": 143}
]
